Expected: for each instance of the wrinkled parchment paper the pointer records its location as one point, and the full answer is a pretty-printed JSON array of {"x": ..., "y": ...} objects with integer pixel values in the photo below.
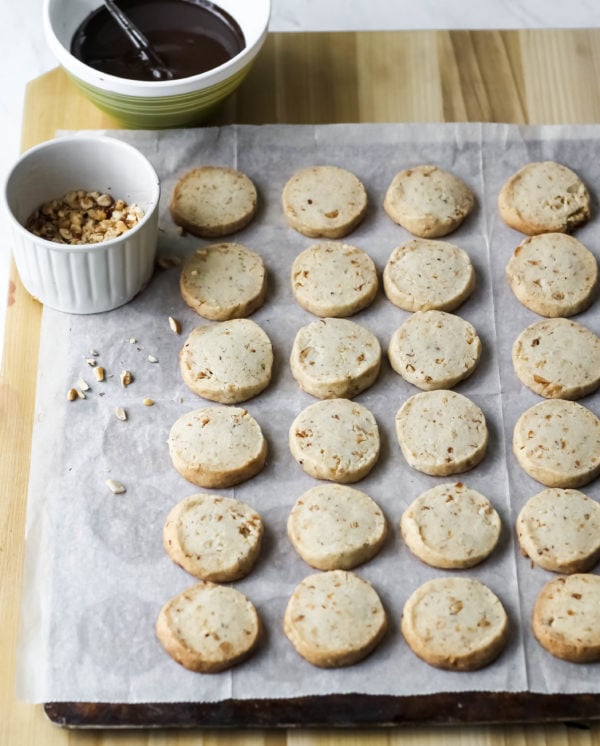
[{"x": 96, "y": 573}]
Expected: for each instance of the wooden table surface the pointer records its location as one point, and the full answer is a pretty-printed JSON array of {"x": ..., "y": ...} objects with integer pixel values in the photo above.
[{"x": 528, "y": 77}]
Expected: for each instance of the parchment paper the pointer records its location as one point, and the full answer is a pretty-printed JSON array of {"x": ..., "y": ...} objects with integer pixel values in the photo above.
[{"x": 96, "y": 573}]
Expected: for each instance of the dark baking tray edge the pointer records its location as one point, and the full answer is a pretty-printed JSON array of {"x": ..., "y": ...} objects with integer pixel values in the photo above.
[{"x": 335, "y": 711}]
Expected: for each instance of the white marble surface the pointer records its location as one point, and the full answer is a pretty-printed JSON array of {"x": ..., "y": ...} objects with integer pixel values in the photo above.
[{"x": 25, "y": 54}]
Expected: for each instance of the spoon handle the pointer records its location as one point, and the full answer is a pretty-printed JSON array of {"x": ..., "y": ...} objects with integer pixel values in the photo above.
[{"x": 158, "y": 67}]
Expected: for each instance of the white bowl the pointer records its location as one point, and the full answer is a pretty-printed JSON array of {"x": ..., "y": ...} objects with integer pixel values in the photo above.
[
  {"x": 86, "y": 278},
  {"x": 156, "y": 104}
]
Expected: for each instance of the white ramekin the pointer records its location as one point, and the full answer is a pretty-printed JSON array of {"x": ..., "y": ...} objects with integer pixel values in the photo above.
[{"x": 87, "y": 278}]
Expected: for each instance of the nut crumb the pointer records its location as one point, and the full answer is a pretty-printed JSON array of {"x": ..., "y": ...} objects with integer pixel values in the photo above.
[
  {"x": 126, "y": 378},
  {"x": 116, "y": 487},
  {"x": 83, "y": 385},
  {"x": 148, "y": 402},
  {"x": 72, "y": 394},
  {"x": 167, "y": 262},
  {"x": 91, "y": 362},
  {"x": 99, "y": 373},
  {"x": 132, "y": 340},
  {"x": 152, "y": 359},
  {"x": 79, "y": 393},
  {"x": 175, "y": 325},
  {"x": 120, "y": 414},
  {"x": 80, "y": 217}
]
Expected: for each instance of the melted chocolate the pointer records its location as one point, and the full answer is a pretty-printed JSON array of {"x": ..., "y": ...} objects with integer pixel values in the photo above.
[{"x": 191, "y": 36}]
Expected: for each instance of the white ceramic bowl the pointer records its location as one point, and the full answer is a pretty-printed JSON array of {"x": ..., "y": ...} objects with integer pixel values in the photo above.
[
  {"x": 156, "y": 104},
  {"x": 86, "y": 278}
]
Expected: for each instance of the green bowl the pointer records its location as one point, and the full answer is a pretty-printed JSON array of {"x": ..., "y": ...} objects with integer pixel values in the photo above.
[{"x": 156, "y": 104}]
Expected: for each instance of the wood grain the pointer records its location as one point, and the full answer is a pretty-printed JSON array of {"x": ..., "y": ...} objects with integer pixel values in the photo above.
[{"x": 519, "y": 77}]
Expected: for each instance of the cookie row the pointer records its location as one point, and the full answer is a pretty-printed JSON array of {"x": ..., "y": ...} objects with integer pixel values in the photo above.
[
  {"x": 330, "y": 279},
  {"x": 332, "y": 526},
  {"x": 336, "y": 618},
  {"x": 210, "y": 627},
  {"x": 329, "y": 201},
  {"x": 338, "y": 279},
  {"x": 320, "y": 201},
  {"x": 440, "y": 433},
  {"x": 554, "y": 275},
  {"x": 231, "y": 361}
]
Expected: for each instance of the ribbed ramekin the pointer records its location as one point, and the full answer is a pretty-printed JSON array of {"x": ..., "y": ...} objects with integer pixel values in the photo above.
[{"x": 86, "y": 278}]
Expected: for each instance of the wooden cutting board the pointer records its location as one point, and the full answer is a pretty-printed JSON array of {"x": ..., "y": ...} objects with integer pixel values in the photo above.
[{"x": 528, "y": 77}]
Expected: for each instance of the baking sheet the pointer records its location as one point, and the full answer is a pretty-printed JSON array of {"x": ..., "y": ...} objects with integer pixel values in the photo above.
[{"x": 96, "y": 574}]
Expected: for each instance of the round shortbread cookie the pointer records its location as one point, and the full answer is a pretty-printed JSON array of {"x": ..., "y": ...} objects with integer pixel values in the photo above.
[
  {"x": 227, "y": 362},
  {"x": 434, "y": 350},
  {"x": 566, "y": 618},
  {"x": 217, "y": 446},
  {"x": 557, "y": 442},
  {"x": 213, "y": 201},
  {"x": 324, "y": 201},
  {"x": 335, "y": 358},
  {"x": 208, "y": 627},
  {"x": 428, "y": 201},
  {"x": 335, "y": 439},
  {"x": 212, "y": 537},
  {"x": 559, "y": 530},
  {"x": 334, "y": 619},
  {"x": 335, "y": 527},
  {"x": 553, "y": 274},
  {"x": 334, "y": 279},
  {"x": 544, "y": 197},
  {"x": 422, "y": 275},
  {"x": 451, "y": 526},
  {"x": 558, "y": 359},
  {"x": 454, "y": 623},
  {"x": 441, "y": 432},
  {"x": 224, "y": 281}
]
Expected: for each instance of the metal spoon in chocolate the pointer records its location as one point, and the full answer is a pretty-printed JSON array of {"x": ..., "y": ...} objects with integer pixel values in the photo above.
[{"x": 148, "y": 55}]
